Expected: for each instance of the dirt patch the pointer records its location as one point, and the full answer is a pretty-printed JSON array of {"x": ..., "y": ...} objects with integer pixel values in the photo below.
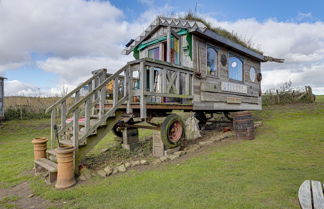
[{"x": 21, "y": 196}]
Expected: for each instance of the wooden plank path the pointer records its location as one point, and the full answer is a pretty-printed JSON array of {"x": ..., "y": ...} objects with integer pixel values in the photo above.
[{"x": 310, "y": 195}]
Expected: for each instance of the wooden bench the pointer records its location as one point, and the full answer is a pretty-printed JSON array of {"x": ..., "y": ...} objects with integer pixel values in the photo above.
[{"x": 310, "y": 195}]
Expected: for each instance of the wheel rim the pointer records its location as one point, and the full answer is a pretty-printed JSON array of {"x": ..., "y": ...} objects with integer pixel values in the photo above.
[{"x": 175, "y": 132}]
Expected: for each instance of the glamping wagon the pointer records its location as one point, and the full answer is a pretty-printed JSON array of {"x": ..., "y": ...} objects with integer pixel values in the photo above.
[{"x": 179, "y": 65}]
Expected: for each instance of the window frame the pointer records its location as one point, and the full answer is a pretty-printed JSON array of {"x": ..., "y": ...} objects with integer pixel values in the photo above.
[
  {"x": 255, "y": 74},
  {"x": 153, "y": 47},
  {"x": 229, "y": 64},
  {"x": 217, "y": 59}
]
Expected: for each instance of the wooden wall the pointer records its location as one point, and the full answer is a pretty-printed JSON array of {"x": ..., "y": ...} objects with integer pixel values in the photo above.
[{"x": 208, "y": 93}]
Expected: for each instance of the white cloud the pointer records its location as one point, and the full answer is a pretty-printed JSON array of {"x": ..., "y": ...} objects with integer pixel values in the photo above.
[
  {"x": 81, "y": 36},
  {"x": 61, "y": 28},
  {"x": 74, "y": 70}
]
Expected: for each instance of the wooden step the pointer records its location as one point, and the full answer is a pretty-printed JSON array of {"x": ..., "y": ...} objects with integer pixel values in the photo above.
[
  {"x": 51, "y": 155},
  {"x": 47, "y": 164},
  {"x": 94, "y": 116},
  {"x": 51, "y": 152},
  {"x": 69, "y": 142},
  {"x": 92, "y": 122},
  {"x": 66, "y": 142}
]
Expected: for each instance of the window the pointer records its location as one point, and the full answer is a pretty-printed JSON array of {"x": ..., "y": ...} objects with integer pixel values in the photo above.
[
  {"x": 252, "y": 74},
  {"x": 174, "y": 51},
  {"x": 154, "y": 53},
  {"x": 235, "y": 69},
  {"x": 211, "y": 60}
]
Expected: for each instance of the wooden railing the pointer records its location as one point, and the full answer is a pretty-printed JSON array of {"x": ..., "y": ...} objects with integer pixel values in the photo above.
[
  {"x": 159, "y": 81},
  {"x": 148, "y": 79}
]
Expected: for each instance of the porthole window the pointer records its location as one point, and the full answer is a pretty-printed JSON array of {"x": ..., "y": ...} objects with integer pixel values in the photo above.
[
  {"x": 211, "y": 61},
  {"x": 252, "y": 74},
  {"x": 235, "y": 69}
]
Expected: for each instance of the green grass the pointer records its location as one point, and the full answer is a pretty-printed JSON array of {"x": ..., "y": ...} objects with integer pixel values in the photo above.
[
  {"x": 16, "y": 149},
  {"x": 262, "y": 173},
  {"x": 320, "y": 98}
]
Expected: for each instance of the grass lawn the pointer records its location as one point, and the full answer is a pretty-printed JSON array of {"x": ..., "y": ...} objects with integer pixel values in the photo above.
[{"x": 262, "y": 173}]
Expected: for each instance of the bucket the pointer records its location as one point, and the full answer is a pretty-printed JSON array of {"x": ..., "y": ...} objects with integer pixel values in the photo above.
[
  {"x": 65, "y": 167},
  {"x": 243, "y": 125},
  {"x": 40, "y": 146}
]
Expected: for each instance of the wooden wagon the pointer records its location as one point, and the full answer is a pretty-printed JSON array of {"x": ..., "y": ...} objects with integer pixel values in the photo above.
[{"x": 179, "y": 65}]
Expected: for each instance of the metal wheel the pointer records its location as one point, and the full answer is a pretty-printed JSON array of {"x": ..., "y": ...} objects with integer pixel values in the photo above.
[
  {"x": 172, "y": 131},
  {"x": 175, "y": 132}
]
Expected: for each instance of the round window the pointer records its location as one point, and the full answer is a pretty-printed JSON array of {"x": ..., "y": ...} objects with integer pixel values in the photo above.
[{"x": 252, "y": 74}]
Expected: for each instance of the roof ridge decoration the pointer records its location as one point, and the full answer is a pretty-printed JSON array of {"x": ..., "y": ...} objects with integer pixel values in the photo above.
[{"x": 165, "y": 21}]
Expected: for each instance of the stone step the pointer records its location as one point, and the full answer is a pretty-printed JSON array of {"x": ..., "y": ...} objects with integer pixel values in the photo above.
[{"x": 47, "y": 164}]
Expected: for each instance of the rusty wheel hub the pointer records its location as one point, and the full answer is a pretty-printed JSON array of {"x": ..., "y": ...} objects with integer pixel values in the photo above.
[{"x": 175, "y": 132}]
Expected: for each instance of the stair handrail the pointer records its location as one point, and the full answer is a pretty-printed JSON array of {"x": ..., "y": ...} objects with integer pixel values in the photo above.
[
  {"x": 80, "y": 86},
  {"x": 100, "y": 86}
]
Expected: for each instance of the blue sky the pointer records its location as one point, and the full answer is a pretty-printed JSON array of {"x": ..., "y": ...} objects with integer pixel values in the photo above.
[
  {"x": 231, "y": 10},
  {"x": 56, "y": 43}
]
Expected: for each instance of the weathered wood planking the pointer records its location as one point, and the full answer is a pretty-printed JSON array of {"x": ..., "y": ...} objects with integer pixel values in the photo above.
[
  {"x": 222, "y": 97},
  {"x": 305, "y": 196},
  {"x": 317, "y": 193},
  {"x": 310, "y": 195}
]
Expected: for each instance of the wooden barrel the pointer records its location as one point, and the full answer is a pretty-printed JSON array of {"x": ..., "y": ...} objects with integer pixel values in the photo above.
[{"x": 243, "y": 125}]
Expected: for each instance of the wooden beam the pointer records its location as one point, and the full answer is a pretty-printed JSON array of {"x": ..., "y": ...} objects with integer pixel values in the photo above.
[
  {"x": 129, "y": 77},
  {"x": 115, "y": 91},
  {"x": 143, "y": 89},
  {"x": 169, "y": 44},
  {"x": 53, "y": 124}
]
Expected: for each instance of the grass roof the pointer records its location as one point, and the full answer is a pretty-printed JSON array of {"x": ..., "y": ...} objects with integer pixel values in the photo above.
[{"x": 220, "y": 31}]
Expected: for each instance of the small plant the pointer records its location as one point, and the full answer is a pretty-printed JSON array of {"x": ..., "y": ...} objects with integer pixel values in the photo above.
[{"x": 221, "y": 31}]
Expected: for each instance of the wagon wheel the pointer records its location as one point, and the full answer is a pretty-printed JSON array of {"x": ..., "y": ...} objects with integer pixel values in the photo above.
[
  {"x": 201, "y": 117},
  {"x": 172, "y": 131}
]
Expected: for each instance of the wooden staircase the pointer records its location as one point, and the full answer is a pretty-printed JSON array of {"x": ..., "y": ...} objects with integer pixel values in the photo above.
[
  {"x": 85, "y": 115},
  {"x": 80, "y": 119}
]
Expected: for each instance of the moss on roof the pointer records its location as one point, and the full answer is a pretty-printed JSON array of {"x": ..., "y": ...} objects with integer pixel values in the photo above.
[{"x": 220, "y": 31}]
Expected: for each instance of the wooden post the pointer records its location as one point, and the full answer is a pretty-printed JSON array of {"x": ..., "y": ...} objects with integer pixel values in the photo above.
[
  {"x": 63, "y": 114},
  {"x": 177, "y": 81},
  {"x": 129, "y": 90},
  {"x": 278, "y": 99},
  {"x": 163, "y": 82},
  {"x": 169, "y": 44},
  {"x": 87, "y": 110},
  {"x": 187, "y": 84},
  {"x": 75, "y": 138},
  {"x": 151, "y": 79},
  {"x": 142, "y": 89},
  {"x": 53, "y": 124},
  {"x": 102, "y": 98},
  {"x": 115, "y": 92}
]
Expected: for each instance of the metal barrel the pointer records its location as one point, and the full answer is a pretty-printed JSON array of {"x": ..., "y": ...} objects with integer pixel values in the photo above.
[{"x": 243, "y": 125}]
